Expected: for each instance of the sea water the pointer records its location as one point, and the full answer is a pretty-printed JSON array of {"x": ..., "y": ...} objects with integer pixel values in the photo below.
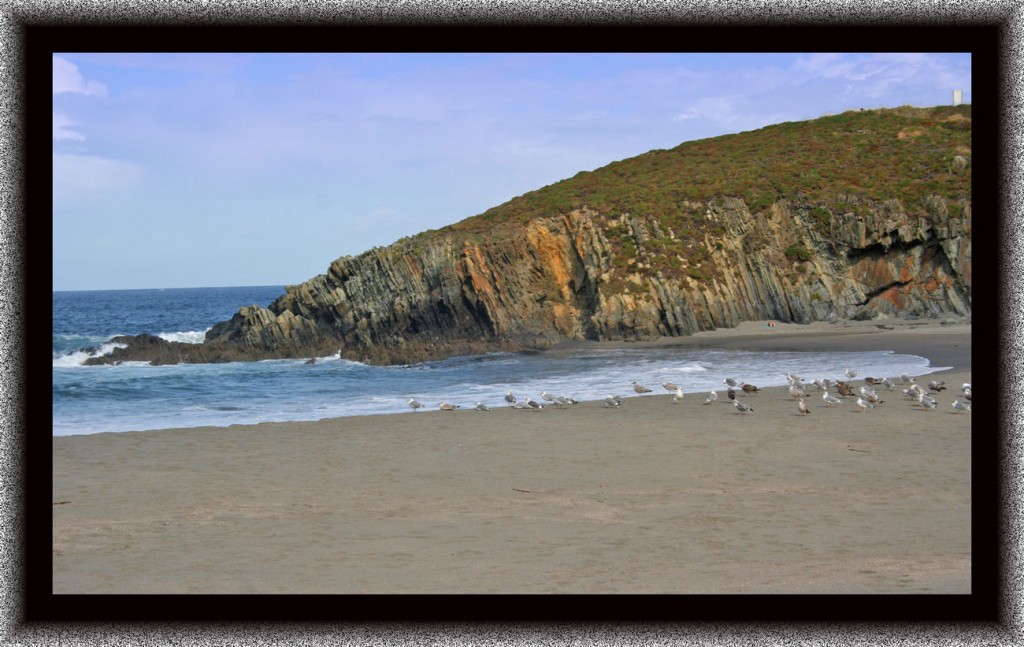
[{"x": 135, "y": 396}]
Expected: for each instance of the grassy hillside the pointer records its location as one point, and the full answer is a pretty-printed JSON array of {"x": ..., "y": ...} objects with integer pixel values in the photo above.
[{"x": 903, "y": 153}]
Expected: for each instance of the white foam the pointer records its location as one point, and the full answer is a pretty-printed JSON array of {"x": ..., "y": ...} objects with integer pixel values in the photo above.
[
  {"x": 78, "y": 357},
  {"x": 187, "y": 337}
]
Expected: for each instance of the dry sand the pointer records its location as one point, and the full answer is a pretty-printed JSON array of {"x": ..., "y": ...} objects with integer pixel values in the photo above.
[{"x": 654, "y": 497}]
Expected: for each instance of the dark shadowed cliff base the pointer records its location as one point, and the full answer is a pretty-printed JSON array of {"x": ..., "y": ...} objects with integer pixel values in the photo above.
[{"x": 653, "y": 497}]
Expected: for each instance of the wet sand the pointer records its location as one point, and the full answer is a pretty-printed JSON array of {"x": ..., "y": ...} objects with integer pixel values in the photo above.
[{"x": 653, "y": 497}]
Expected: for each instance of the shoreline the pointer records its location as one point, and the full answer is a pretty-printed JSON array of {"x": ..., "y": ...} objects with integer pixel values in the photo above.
[{"x": 652, "y": 497}]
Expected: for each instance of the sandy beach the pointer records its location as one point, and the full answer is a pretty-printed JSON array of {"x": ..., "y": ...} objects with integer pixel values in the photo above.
[{"x": 652, "y": 497}]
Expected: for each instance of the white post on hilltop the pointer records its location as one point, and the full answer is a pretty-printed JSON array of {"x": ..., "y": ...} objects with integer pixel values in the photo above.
[{"x": 958, "y": 97}]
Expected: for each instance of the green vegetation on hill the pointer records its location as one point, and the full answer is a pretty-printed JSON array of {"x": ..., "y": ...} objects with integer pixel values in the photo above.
[{"x": 877, "y": 155}]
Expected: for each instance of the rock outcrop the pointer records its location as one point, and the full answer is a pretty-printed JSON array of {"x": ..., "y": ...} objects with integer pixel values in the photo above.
[{"x": 600, "y": 274}]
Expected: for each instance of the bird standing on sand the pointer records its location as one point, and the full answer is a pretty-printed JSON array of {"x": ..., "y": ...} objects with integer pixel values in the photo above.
[
  {"x": 937, "y": 385},
  {"x": 669, "y": 386},
  {"x": 640, "y": 389},
  {"x": 830, "y": 399},
  {"x": 564, "y": 400},
  {"x": 415, "y": 404},
  {"x": 844, "y": 389},
  {"x": 730, "y": 382},
  {"x": 797, "y": 393},
  {"x": 547, "y": 396},
  {"x": 533, "y": 404},
  {"x": 887, "y": 383},
  {"x": 679, "y": 394},
  {"x": 711, "y": 398},
  {"x": 731, "y": 393},
  {"x": 864, "y": 405},
  {"x": 750, "y": 388},
  {"x": 612, "y": 401},
  {"x": 961, "y": 406},
  {"x": 742, "y": 408},
  {"x": 444, "y": 406},
  {"x": 481, "y": 407},
  {"x": 803, "y": 407},
  {"x": 926, "y": 402},
  {"x": 850, "y": 374},
  {"x": 511, "y": 399}
]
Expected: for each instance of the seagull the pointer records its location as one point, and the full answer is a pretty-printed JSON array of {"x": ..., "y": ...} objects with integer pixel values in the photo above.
[
  {"x": 820, "y": 384},
  {"x": 481, "y": 407},
  {"x": 711, "y": 398},
  {"x": 872, "y": 380},
  {"x": 803, "y": 407},
  {"x": 797, "y": 393},
  {"x": 730, "y": 382},
  {"x": 750, "y": 388},
  {"x": 640, "y": 389},
  {"x": 415, "y": 404},
  {"x": 564, "y": 400},
  {"x": 547, "y": 396},
  {"x": 867, "y": 393},
  {"x": 913, "y": 391},
  {"x": 518, "y": 405},
  {"x": 444, "y": 406},
  {"x": 961, "y": 406},
  {"x": 864, "y": 405},
  {"x": 742, "y": 408},
  {"x": 850, "y": 374},
  {"x": 926, "y": 402},
  {"x": 668, "y": 386},
  {"x": 612, "y": 401},
  {"x": 533, "y": 404},
  {"x": 731, "y": 393},
  {"x": 844, "y": 389},
  {"x": 967, "y": 395},
  {"x": 830, "y": 399},
  {"x": 887, "y": 383},
  {"x": 906, "y": 379},
  {"x": 793, "y": 378},
  {"x": 937, "y": 385},
  {"x": 679, "y": 394},
  {"x": 511, "y": 399},
  {"x": 965, "y": 387}
]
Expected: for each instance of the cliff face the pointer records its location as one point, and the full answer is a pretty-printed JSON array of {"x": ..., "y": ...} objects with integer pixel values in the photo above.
[
  {"x": 667, "y": 260},
  {"x": 561, "y": 279}
]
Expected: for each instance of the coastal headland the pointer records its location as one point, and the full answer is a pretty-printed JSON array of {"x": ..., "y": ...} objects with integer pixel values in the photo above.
[{"x": 654, "y": 496}]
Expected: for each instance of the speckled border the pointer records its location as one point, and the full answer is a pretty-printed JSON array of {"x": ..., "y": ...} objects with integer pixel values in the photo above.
[{"x": 17, "y": 13}]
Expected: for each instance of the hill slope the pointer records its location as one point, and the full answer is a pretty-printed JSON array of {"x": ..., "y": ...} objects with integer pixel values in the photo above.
[{"x": 857, "y": 215}]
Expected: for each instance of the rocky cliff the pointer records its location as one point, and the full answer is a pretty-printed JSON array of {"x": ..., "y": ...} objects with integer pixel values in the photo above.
[{"x": 619, "y": 270}]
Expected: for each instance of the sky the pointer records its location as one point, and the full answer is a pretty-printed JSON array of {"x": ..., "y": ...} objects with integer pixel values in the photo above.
[{"x": 218, "y": 170}]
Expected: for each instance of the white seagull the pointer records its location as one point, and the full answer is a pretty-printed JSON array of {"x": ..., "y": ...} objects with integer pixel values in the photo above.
[
  {"x": 612, "y": 401},
  {"x": 864, "y": 405},
  {"x": 481, "y": 407},
  {"x": 742, "y": 408},
  {"x": 926, "y": 402},
  {"x": 415, "y": 404},
  {"x": 961, "y": 406},
  {"x": 511, "y": 399},
  {"x": 547, "y": 396},
  {"x": 679, "y": 394},
  {"x": 444, "y": 406},
  {"x": 830, "y": 399},
  {"x": 564, "y": 400},
  {"x": 533, "y": 404},
  {"x": 711, "y": 398},
  {"x": 850, "y": 374},
  {"x": 640, "y": 389}
]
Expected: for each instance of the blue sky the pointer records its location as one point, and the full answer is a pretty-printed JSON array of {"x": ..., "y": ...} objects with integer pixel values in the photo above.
[{"x": 196, "y": 170}]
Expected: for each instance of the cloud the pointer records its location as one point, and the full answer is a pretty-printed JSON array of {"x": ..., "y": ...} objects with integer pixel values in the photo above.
[
  {"x": 67, "y": 78},
  {"x": 77, "y": 176},
  {"x": 61, "y": 130}
]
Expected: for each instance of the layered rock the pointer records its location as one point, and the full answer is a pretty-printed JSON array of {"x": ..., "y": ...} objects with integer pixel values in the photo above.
[{"x": 561, "y": 278}]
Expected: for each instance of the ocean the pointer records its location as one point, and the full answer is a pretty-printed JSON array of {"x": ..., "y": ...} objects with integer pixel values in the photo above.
[{"x": 135, "y": 396}]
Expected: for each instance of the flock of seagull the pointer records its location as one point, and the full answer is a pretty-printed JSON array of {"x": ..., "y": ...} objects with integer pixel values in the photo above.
[{"x": 867, "y": 396}]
